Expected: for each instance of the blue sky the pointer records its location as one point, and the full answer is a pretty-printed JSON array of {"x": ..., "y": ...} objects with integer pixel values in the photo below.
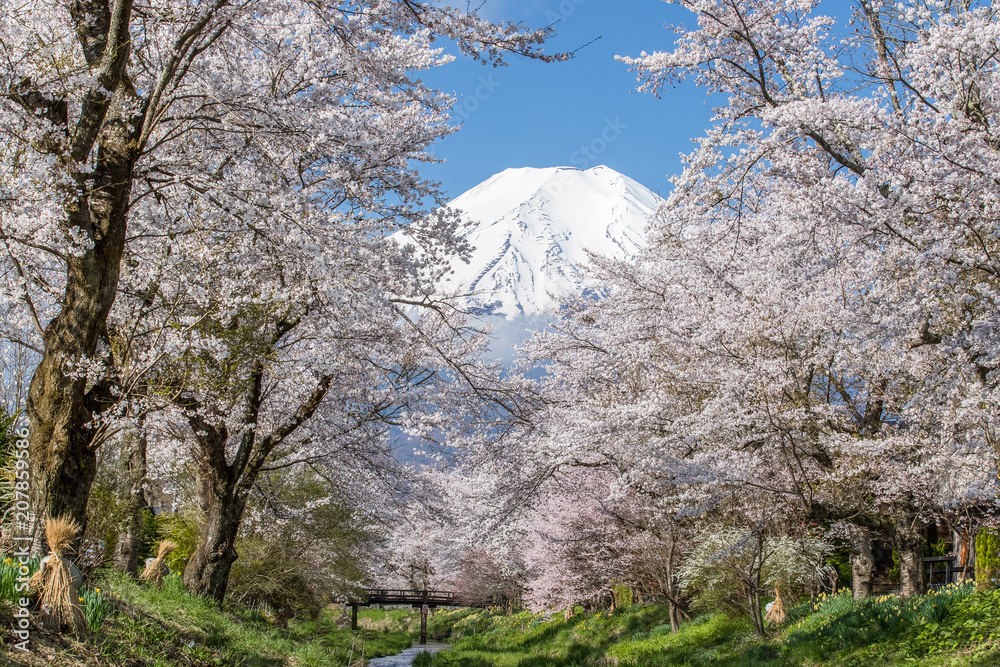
[{"x": 583, "y": 112}]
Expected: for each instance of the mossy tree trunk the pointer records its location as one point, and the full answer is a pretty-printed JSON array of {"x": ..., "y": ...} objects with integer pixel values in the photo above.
[
  {"x": 910, "y": 545},
  {"x": 132, "y": 471},
  {"x": 99, "y": 144},
  {"x": 224, "y": 482},
  {"x": 207, "y": 572},
  {"x": 862, "y": 562}
]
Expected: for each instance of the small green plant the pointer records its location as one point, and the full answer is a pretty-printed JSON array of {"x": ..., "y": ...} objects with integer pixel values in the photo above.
[
  {"x": 181, "y": 528},
  {"x": 8, "y": 460},
  {"x": 937, "y": 548},
  {"x": 96, "y": 608},
  {"x": 840, "y": 559},
  {"x": 894, "y": 570},
  {"x": 11, "y": 575},
  {"x": 8, "y": 579}
]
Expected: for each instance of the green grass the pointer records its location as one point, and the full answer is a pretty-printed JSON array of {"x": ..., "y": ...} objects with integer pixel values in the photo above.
[
  {"x": 955, "y": 626},
  {"x": 422, "y": 660},
  {"x": 138, "y": 625},
  {"x": 11, "y": 574}
]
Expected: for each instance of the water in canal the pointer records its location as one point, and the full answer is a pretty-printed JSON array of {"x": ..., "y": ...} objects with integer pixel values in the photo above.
[{"x": 405, "y": 659}]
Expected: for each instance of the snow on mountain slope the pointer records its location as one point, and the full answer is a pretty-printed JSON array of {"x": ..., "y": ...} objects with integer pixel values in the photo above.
[{"x": 531, "y": 230}]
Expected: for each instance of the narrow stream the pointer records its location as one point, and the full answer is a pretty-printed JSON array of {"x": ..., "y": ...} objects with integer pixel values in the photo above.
[{"x": 405, "y": 659}]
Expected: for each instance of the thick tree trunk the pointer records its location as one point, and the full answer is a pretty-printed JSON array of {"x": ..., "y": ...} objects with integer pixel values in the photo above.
[
  {"x": 910, "y": 545},
  {"x": 61, "y": 445},
  {"x": 59, "y": 406},
  {"x": 207, "y": 573},
  {"x": 862, "y": 562},
  {"x": 224, "y": 486},
  {"x": 62, "y": 467},
  {"x": 133, "y": 477}
]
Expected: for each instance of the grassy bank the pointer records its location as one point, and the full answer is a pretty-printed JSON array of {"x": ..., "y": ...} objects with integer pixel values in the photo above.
[
  {"x": 136, "y": 625},
  {"x": 952, "y": 627},
  {"x": 143, "y": 626}
]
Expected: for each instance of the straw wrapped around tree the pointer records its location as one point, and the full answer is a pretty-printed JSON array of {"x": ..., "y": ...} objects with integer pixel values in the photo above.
[
  {"x": 777, "y": 614},
  {"x": 57, "y": 581},
  {"x": 157, "y": 570}
]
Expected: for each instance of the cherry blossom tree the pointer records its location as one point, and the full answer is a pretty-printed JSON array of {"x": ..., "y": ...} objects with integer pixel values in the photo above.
[
  {"x": 877, "y": 167},
  {"x": 792, "y": 329},
  {"x": 891, "y": 153},
  {"x": 814, "y": 318},
  {"x": 124, "y": 121},
  {"x": 572, "y": 553},
  {"x": 713, "y": 370},
  {"x": 734, "y": 568}
]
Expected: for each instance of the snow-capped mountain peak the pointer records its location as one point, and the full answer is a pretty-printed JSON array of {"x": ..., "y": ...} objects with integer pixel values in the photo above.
[{"x": 531, "y": 230}]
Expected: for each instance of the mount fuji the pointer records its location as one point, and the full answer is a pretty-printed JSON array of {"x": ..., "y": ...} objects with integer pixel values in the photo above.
[{"x": 532, "y": 229}]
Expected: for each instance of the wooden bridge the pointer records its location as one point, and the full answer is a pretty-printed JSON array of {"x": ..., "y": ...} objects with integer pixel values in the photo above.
[
  {"x": 425, "y": 600},
  {"x": 414, "y": 598}
]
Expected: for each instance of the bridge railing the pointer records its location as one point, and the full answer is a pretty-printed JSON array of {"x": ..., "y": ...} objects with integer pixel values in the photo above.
[{"x": 384, "y": 595}]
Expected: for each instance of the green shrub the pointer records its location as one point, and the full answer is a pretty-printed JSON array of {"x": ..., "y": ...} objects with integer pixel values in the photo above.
[
  {"x": 182, "y": 528},
  {"x": 937, "y": 548},
  {"x": 267, "y": 574},
  {"x": 8, "y": 460},
  {"x": 894, "y": 570},
  {"x": 840, "y": 560},
  {"x": 150, "y": 535},
  {"x": 987, "y": 558},
  {"x": 623, "y": 596}
]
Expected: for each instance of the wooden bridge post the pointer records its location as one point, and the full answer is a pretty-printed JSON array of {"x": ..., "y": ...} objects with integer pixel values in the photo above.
[
  {"x": 423, "y": 625},
  {"x": 354, "y": 616}
]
